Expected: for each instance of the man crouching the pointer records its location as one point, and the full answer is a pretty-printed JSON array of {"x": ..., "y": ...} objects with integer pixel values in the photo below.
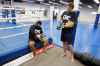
[{"x": 37, "y": 38}]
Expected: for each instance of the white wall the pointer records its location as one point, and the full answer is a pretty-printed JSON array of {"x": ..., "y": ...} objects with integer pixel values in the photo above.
[{"x": 29, "y": 16}]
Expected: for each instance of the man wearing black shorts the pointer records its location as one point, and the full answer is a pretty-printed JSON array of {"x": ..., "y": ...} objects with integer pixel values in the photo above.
[
  {"x": 36, "y": 37},
  {"x": 68, "y": 20}
]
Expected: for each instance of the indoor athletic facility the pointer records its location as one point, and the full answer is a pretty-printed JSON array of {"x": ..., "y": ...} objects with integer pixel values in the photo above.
[{"x": 70, "y": 28}]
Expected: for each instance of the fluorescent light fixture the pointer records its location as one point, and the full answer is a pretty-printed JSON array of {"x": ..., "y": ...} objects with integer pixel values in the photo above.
[
  {"x": 45, "y": 3},
  {"x": 89, "y": 6},
  {"x": 93, "y": 12},
  {"x": 51, "y": 2},
  {"x": 40, "y": 0},
  {"x": 63, "y": 2},
  {"x": 97, "y": 1}
]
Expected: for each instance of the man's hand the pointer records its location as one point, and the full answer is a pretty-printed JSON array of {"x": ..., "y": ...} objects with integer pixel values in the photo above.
[{"x": 69, "y": 24}]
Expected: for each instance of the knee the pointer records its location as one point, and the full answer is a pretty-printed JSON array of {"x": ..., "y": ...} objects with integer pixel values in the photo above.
[
  {"x": 46, "y": 40},
  {"x": 64, "y": 43},
  {"x": 31, "y": 43},
  {"x": 69, "y": 47}
]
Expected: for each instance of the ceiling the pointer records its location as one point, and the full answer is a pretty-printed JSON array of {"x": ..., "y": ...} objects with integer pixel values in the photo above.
[{"x": 58, "y": 2}]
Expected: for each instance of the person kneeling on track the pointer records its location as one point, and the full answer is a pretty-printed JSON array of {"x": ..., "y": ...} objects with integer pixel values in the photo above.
[{"x": 37, "y": 38}]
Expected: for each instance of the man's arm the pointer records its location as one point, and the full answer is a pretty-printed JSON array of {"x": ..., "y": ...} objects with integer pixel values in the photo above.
[{"x": 69, "y": 24}]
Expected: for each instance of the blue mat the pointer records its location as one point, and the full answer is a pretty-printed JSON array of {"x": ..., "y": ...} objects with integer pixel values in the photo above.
[
  {"x": 6, "y": 24},
  {"x": 13, "y": 42}
]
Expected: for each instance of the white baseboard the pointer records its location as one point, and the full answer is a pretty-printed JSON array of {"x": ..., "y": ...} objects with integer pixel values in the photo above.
[{"x": 20, "y": 60}]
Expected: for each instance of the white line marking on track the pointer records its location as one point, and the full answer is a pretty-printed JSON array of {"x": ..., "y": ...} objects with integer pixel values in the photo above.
[
  {"x": 13, "y": 35},
  {"x": 14, "y": 27}
]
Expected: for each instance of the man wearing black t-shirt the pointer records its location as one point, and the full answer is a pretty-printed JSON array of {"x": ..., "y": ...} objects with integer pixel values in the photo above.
[
  {"x": 68, "y": 20},
  {"x": 36, "y": 37}
]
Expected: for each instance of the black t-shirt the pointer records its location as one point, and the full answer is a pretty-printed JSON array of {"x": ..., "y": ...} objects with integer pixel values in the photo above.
[
  {"x": 69, "y": 16},
  {"x": 34, "y": 32}
]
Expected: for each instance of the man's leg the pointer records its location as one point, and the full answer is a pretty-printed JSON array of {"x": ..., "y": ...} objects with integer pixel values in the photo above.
[
  {"x": 70, "y": 52},
  {"x": 45, "y": 43},
  {"x": 64, "y": 48},
  {"x": 32, "y": 47}
]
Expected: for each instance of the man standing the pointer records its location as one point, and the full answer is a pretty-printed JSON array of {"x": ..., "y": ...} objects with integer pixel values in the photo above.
[{"x": 69, "y": 22}]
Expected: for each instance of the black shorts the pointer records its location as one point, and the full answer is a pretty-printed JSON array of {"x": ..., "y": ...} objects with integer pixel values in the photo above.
[
  {"x": 39, "y": 43},
  {"x": 66, "y": 36}
]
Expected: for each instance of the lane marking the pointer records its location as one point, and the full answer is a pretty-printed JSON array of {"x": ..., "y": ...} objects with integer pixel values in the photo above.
[
  {"x": 13, "y": 35},
  {"x": 9, "y": 36},
  {"x": 15, "y": 27}
]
